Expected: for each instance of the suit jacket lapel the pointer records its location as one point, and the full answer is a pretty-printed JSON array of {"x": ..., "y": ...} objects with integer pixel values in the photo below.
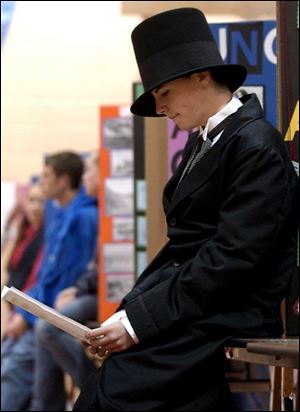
[
  {"x": 203, "y": 170},
  {"x": 196, "y": 177},
  {"x": 172, "y": 183}
]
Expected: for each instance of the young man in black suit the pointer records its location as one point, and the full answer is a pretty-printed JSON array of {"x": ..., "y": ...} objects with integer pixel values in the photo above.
[{"x": 231, "y": 210}]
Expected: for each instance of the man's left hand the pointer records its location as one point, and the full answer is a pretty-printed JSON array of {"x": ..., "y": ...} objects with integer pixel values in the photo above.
[{"x": 109, "y": 339}]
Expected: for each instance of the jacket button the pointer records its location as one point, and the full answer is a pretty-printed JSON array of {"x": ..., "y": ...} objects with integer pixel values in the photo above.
[{"x": 173, "y": 222}]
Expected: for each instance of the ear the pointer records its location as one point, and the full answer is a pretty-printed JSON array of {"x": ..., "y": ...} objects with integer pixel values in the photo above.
[
  {"x": 200, "y": 76},
  {"x": 65, "y": 179}
]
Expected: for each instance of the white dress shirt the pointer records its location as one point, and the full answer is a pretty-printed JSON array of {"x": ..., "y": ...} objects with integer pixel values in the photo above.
[{"x": 217, "y": 118}]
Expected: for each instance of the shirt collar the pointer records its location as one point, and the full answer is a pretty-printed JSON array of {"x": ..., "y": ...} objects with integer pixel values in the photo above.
[{"x": 217, "y": 118}]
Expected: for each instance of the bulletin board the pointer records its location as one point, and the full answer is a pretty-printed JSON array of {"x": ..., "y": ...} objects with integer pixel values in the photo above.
[
  {"x": 116, "y": 234},
  {"x": 140, "y": 191}
]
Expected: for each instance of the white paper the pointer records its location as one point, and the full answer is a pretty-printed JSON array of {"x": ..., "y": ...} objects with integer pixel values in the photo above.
[{"x": 18, "y": 298}]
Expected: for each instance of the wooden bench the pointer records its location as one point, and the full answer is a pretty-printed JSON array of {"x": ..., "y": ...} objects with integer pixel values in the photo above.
[{"x": 282, "y": 355}]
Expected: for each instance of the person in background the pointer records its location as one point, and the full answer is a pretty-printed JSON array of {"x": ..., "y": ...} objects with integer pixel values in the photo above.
[
  {"x": 232, "y": 221},
  {"x": 24, "y": 256},
  {"x": 57, "y": 352},
  {"x": 27, "y": 218},
  {"x": 69, "y": 245}
]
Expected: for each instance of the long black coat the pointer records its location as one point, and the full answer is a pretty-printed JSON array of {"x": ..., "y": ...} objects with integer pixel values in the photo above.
[{"x": 232, "y": 226}]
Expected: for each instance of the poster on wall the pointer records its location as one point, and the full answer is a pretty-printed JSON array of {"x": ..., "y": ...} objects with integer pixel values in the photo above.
[
  {"x": 116, "y": 238},
  {"x": 252, "y": 44},
  {"x": 140, "y": 190}
]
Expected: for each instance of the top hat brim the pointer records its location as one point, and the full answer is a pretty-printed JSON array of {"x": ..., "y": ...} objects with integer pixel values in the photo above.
[{"x": 234, "y": 76}]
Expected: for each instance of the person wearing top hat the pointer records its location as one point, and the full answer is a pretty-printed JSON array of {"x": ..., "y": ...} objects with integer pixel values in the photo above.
[{"x": 231, "y": 210}]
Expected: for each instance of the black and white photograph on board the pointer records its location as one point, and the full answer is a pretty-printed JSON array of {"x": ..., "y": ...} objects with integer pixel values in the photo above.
[
  {"x": 118, "y": 133},
  {"x": 118, "y": 257},
  {"x": 119, "y": 196},
  {"x": 122, "y": 228},
  {"x": 121, "y": 162}
]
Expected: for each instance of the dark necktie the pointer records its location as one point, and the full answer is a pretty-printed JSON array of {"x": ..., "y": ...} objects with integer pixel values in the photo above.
[{"x": 201, "y": 147}]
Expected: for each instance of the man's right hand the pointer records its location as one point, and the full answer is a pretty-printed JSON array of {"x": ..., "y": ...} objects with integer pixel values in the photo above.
[
  {"x": 64, "y": 297},
  {"x": 16, "y": 326}
]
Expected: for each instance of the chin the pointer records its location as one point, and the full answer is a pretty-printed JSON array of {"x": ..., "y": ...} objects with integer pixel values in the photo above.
[{"x": 182, "y": 126}]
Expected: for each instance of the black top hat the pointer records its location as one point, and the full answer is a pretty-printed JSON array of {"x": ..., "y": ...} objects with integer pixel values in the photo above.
[{"x": 173, "y": 44}]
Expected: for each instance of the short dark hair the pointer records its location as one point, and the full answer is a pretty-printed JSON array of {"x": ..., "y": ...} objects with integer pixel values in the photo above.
[
  {"x": 68, "y": 163},
  {"x": 218, "y": 76}
]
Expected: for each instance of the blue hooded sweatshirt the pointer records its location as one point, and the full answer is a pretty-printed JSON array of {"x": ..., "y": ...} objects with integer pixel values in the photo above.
[{"x": 70, "y": 244}]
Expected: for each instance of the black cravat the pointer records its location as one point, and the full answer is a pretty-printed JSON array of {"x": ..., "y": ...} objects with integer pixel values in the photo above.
[{"x": 201, "y": 147}]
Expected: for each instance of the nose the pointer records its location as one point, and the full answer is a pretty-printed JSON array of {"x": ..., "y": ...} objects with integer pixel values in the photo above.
[{"x": 160, "y": 107}]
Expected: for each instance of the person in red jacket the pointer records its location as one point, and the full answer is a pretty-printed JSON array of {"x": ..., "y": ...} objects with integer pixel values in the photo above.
[{"x": 25, "y": 255}]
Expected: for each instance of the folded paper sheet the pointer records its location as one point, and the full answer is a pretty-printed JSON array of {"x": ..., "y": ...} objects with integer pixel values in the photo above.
[{"x": 18, "y": 298}]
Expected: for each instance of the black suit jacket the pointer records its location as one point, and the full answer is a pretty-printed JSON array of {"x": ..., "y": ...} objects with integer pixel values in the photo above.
[{"x": 232, "y": 227}]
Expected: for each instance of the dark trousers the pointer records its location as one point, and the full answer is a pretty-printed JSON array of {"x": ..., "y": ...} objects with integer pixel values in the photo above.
[{"x": 87, "y": 400}]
